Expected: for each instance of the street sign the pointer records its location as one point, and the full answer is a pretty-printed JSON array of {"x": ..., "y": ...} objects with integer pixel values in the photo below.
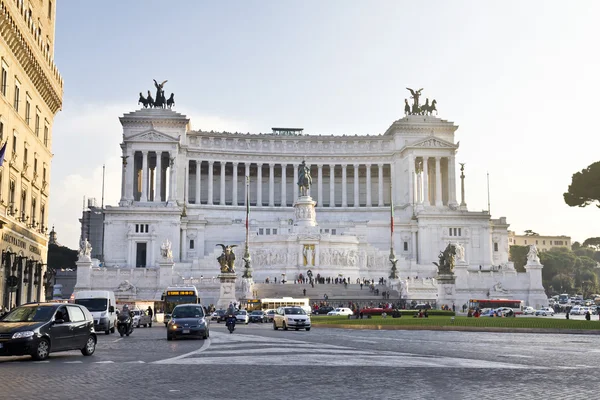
[{"x": 12, "y": 281}]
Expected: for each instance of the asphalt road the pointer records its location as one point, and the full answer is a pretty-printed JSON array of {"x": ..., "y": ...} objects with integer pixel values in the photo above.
[{"x": 256, "y": 362}]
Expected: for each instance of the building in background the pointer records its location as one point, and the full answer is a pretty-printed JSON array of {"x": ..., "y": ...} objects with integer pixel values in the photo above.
[
  {"x": 543, "y": 243},
  {"x": 31, "y": 91},
  {"x": 92, "y": 223}
]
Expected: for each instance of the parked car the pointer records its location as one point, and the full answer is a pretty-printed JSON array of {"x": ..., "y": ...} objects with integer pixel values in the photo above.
[
  {"x": 504, "y": 311},
  {"x": 341, "y": 311},
  {"x": 291, "y": 317},
  {"x": 376, "y": 311},
  {"x": 40, "y": 328},
  {"x": 140, "y": 318},
  {"x": 528, "y": 311},
  {"x": 259, "y": 316},
  {"x": 544, "y": 311},
  {"x": 577, "y": 310},
  {"x": 242, "y": 316},
  {"x": 323, "y": 310},
  {"x": 188, "y": 320}
]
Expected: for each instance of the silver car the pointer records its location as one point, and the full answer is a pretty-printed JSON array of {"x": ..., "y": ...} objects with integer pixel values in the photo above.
[{"x": 291, "y": 317}]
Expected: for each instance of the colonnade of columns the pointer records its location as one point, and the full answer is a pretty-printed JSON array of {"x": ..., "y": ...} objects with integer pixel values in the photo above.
[
  {"x": 270, "y": 184},
  {"x": 433, "y": 180},
  {"x": 148, "y": 176}
]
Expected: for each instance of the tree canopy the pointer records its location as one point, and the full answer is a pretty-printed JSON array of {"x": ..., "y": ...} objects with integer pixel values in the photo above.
[{"x": 585, "y": 187}]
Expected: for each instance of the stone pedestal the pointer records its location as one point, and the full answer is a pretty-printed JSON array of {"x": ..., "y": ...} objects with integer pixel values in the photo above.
[
  {"x": 305, "y": 211},
  {"x": 537, "y": 294},
  {"x": 84, "y": 272},
  {"x": 446, "y": 284},
  {"x": 247, "y": 288},
  {"x": 165, "y": 272},
  {"x": 227, "y": 292}
]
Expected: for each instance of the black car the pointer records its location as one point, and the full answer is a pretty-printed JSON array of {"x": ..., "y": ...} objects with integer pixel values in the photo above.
[
  {"x": 41, "y": 328},
  {"x": 220, "y": 315},
  {"x": 324, "y": 310},
  {"x": 259, "y": 316},
  {"x": 188, "y": 320}
]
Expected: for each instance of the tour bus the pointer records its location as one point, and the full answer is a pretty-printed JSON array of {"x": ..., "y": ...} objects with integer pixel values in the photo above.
[
  {"x": 175, "y": 295},
  {"x": 516, "y": 305},
  {"x": 564, "y": 298},
  {"x": 274, "y": 304}
]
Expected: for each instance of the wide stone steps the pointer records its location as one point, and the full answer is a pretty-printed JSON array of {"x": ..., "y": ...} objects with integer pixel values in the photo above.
[{"x": 333, "y": 291}]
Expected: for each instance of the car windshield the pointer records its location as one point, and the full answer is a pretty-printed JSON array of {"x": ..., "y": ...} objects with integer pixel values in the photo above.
[
  {"x": 188, "y": 312},
  {"x": 30, "y": 314},
  {"x": 296, "y": 311},
  {"x": 240, "y": 313},
  {"x": 256, "y": 313},
  {"x": 93, "y": 304}
]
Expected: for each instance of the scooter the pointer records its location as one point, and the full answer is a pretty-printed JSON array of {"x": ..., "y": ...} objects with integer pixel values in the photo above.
[
  {"x": 230, "y": 323},
  {"x": 125, "y": 324}
]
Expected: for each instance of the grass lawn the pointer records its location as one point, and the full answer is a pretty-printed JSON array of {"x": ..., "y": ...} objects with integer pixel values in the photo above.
[{"x": 482, "y": 322}]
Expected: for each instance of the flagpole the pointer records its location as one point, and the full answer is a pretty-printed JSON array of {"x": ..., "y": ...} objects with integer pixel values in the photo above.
[
  {"x": 393, "y": 259},
  {"x": 246, "y": 258}
]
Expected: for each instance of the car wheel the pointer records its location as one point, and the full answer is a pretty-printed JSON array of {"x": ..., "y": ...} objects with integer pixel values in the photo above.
[
  {"x": 112, "y": 330},
  {"x": 307, "y": 329},
  {"x": 42, "y": 350},
  {"x": 150, "y": 325},
  {"x": 285, "y": 328},
  {"x": 544, "y": 314},
  {"x": 90, "y": 346},
  {"x": 169, "y": 337},
  {"x": 275, "y": 326},
  {"x": 246, "y": 322},
  {"x": 205, "y": 336},
  {"x": 297, "y": 329},
  {"x": 107, "y": 332}
]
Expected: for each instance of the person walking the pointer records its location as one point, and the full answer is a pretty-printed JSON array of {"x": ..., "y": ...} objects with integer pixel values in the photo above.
[
  {"x": 150, "y": 312},
  {"x": 304, "y": 292}
]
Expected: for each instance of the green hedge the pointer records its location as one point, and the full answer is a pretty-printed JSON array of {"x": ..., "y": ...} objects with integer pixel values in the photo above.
[{"x": 413, "y": 312}]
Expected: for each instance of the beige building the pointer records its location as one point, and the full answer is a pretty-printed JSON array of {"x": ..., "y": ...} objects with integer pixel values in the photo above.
[
  {"x": 543, "y": 243},
  {"x": 31, "y": 91}
]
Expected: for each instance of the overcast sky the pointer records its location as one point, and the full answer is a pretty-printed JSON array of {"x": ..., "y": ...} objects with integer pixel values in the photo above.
[{"x": 521, "y": 79}]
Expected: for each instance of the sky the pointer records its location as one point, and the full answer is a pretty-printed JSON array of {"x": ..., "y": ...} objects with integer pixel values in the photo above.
[{"x": 519, "y": 78}]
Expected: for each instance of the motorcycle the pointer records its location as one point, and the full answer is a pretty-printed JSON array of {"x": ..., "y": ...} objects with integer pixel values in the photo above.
[
  {"x": 230, "y": 323},
  {"x": 125, "y": 324}
]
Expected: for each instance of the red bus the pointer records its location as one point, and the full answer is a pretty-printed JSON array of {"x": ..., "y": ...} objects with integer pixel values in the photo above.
[{"x": 516, "y": 305}]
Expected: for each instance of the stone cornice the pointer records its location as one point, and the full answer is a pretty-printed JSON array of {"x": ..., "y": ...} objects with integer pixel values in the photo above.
[
  {"x": 421, "y": 124},
  {"x": 44, "y": 76},
  {"x": 155, "y": 117}
]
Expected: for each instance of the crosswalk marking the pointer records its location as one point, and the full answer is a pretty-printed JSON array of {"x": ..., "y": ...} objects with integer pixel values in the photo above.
[{"x": 257, "y": 350}]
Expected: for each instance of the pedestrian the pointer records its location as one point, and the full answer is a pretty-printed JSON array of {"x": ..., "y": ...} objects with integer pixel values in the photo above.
[
  {"x": 150, "y": 312},
  {"x": 304, "y": 292}
]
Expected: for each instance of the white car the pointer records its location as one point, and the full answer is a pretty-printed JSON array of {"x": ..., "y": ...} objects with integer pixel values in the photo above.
[
  {"x": 291, "y": 317},
  {"x": 242, "y": 316},
  {"x": 545, "y": 311},
  {"x": 528, "y": 311},
  {"x": 341, "y": 311}
]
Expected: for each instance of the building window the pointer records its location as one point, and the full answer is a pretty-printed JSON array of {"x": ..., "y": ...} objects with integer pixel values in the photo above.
[
  {"x": 405, "y": 246},
  {"x": 4, "y": 81},
  {"x": 147, "y": 230},
  {"x": 23, "y": 203},
  {"x": 14, "y": 146},
  {"x": 27, "y": 109},
  {"x": 1, "y": 131},
  {"x": 261, "y": 231},
  {"x": 46, "y": 135},
  {"x": 192, "y": 244},
  {"x": 17, "y": 96},
  {"x": 33, "y": 211},
  {"x": 536, "y": 241},
  {"x": 274, "y": 231},
  {"x": 333, "y": 231},
  {"x": 137, "y": 228},
  {"x": 25, "y": 157},
  {"x": 268, "y": 231},
  {"x": 37, "y": 124},
  {"x": 43, "y": 215},
  {"x": 543, "y": 242},
  {"x": 454, "y": 231},
  {"x": 525, "y": 241},
  {"x": 495, "y": 246},
  {"x": 35, "y": 163},
  {"x": 50, "y": 10}
]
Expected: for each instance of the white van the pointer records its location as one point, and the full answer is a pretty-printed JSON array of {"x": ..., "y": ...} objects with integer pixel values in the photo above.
[{"x": 101, "y": 304}]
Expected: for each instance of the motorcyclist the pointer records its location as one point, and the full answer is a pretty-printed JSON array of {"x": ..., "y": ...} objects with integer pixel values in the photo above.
[
  {"x": 230, "y": 319},
  {"x": 126, "y": 317}
]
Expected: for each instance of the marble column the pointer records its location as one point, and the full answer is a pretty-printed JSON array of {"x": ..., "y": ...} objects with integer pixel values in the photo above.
[
  {"x": 186, "y": 185},
  {"x": 426, "y": 181},
  {"x": 124, "y": 172},
  {"x": 259, "y": 185},
  {"x": 198, "y": 181},
  {"x": 144, "y": 176},
  {"x": 234, "y": 191},
  {"x": 411, "y": 179},
  {"x": 222, "y": 194},
  {"x": 419, "y": 195},
  {"x": 295, "y": 182},
  {"x": 344, "y": 187},
  {"x": 452, "y": 181},
  {"x": 438, "y": 183},
  {"x": 158, "y": 191},
  {"x": 331, "y": 185},
  {"x": 246, "y": 187},
  {"x": 320, "y": 184},
  {"x": 283, "y": 186},
  {"x": 271, "y": 184},
  {"x": 380, "y": 186},
  {"x": 414, "y": 244},
  {"x": 356, "y": 198},
  {"x": 172, "y": 177},
  {"x": 369, "y": 198},
  {"x": 129, "y": 172},
  {"x": 210, "y": 182}
]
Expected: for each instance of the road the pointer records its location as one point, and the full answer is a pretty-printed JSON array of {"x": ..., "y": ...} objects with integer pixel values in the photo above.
[{"x": 256, "y": 362}]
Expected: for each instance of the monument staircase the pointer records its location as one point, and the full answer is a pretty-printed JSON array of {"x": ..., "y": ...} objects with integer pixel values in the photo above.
[{"x": 335, "y": 292}]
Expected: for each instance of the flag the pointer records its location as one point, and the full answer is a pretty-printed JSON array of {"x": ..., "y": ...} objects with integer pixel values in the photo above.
[{"x": 2, "y": 153}]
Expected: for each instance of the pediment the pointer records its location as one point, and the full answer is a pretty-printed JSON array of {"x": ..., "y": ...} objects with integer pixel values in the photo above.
[
  {"x": 151, "y": 135},
  {"x": 433, "y": 142}
]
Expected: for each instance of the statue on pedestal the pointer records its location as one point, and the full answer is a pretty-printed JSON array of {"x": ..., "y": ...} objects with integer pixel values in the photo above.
[
  {"x": 227, "y": 259},
  {"x": 533, "y": 254},
  {"x": 304, "y": 178},
  {"x": 447, "y": 260},
  {"x": 165, "y": 250},
  {"x": 85, "y": 249}
]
